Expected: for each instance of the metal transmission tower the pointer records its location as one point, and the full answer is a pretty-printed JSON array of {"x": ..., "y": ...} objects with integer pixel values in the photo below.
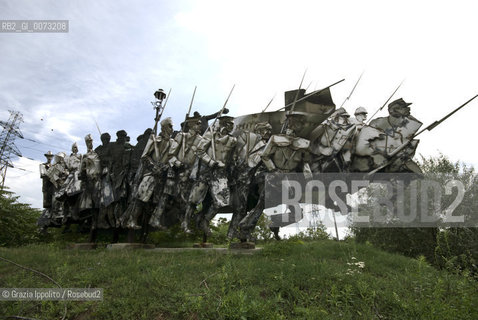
[{"x": 11, "y": 130}]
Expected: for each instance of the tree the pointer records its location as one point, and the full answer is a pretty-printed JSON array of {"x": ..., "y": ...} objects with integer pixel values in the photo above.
[
  {"x": 17, "y": 221},
  {"x": 444, "y": 246}
]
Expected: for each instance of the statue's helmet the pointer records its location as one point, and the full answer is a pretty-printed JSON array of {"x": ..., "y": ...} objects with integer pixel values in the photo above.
[
  {"x": 166, "y": 122},
  {"x": 340, "y": 112},
  {"x": 88, "y": 137},
  {"x": 60, "y": 156}
]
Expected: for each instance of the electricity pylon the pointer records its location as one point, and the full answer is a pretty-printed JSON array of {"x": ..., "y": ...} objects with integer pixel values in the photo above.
[{"x": 11, "y": 130}]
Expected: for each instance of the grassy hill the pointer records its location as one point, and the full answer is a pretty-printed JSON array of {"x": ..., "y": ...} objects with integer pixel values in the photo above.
[{"x": 286, "y": 280}]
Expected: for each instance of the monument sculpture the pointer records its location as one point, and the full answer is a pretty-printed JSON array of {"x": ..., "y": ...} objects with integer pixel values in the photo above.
[{"x": 168, "y": 177}]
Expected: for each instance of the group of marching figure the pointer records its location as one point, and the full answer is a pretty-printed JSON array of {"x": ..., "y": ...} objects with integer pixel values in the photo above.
[{"x": 186, "y": 177}]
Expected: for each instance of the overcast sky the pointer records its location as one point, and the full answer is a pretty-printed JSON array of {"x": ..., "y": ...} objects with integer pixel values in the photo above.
[{"x": 117, "y": 53}]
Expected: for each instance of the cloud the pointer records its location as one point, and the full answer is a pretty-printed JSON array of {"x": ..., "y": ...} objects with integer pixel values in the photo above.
[
  {"x": 24, "y": 181},
  {"x": 117, "y": 54}
]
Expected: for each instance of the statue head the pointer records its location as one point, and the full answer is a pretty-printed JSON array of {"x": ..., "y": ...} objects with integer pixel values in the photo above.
[
  {"x": 49, "y": 156},
  {"x": 105, "y": 138},
  {"x": 121, "y": 136},
  {"x": 399, "y": 108},
  {"x": 226, "y": 124},
  {"x": 89, "y": 142},
  {"x": 193, "y": 125},
  {"x": 264, "y": 129},
  {"x": 340, "y": 116},
  {"x": 295, "y": 123},
  {"x": 167, "y": 127},
  {"x": 60, "y": 157},
  {"x": 74, "y": 148},
  {"x": 361, "y": 114}
]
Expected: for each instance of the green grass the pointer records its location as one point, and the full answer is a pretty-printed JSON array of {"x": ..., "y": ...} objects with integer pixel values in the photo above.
[{"x": 286, "y": 280}]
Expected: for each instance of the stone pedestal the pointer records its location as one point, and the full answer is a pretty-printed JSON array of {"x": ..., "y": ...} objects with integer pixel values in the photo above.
[
  {"x": 129, "y": 245},
  {"x": 83, "y": 246},
  {"x": 242, "y": 245},
  {"x": 203, "y": 245}
]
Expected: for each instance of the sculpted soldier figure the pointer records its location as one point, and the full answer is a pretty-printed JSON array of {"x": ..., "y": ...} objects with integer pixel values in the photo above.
[
  {"x": 154, "y": 169},
  {"x": 90, "y": 172},
  {"x": 120, "y": 156},
  {"x": 389, "y": 133},
  {"x": 283, "y": 153},
  {"x": 331, "y": 143},
  {"x": 106, "y": 218},
  {"x": 72, "y": 187},
  {"x": 57, "y": 174},
  {"x": 247, "y": 182},
  {"x": 183, "y": 157},
  {"x": 136, "y": 170},
  {"x": 216, "y": 152},
  {"x": 360, "y": 117},
  {"x": 47, "y": 190}
]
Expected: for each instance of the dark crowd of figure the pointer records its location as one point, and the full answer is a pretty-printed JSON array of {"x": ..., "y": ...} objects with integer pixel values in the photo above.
[{"x": 186, "y": 177}]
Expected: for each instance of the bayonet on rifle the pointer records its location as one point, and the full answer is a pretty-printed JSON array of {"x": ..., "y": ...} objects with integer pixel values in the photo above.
[
  {"x": 353, "y": 89},
  {"x": 379, "y": 109}
]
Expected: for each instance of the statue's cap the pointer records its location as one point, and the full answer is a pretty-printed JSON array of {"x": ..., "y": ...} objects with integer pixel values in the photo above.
[
  {"x": 48, "y": 154},
  {"x": 60, "y": 155},
  {"x": 121, "y": 133},
  {"x": 398, "y": 103},
  {"x": 360, "y": 110},
  {"x": 193, "y": 119},
  {"x": 88, "y": 137},
  {"x": 226, "y": 119},
  {"x": 262, "y": 125}
]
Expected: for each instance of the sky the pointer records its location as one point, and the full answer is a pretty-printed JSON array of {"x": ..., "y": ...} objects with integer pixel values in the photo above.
[{"x": 105, "y": 70}]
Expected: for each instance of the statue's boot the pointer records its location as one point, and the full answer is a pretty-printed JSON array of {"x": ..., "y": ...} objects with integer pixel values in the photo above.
[
  {"x": 133, "y": 212},
  {"x": 187, "y": 218},
  {"x": 155, "y": 220},
  {"x": 204, "y": 223},
  {"x": 102, "y": 223}
]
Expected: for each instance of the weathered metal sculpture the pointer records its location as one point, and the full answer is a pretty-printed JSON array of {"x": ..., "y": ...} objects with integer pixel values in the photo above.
[
  {"x": 45, "y": 220},
  {"x": 216, "y": 151},
  {"x": 163, "y": 179},
  {"x": 106, "y": 217},
  {"x": 247, "y": 183},
  {"x": 89, "y": 174},
  {"x": 185, "y": 162}
]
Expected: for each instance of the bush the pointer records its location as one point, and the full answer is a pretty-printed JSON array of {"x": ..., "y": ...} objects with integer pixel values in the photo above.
[
  {"x": 455, "y": 249},
  {"x": 18, "y": 221}
]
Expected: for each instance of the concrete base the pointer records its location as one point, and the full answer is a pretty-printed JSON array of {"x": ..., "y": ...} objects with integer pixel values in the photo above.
[
  {"x": 83, "y": 246},
  {"x": 203, "y": 245},
  {"x": 129, "y": 245},
  {"x": 242, "y": 245}
]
